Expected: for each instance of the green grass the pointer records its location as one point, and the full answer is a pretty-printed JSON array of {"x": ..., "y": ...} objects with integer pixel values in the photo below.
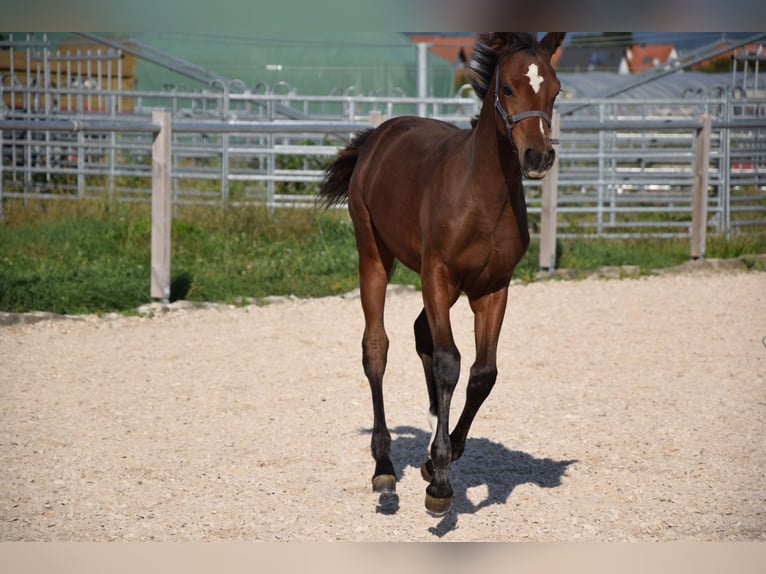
[
  {"x": 78, "y": 262},
  {"x": 231, "y": 254},
  {"x": 78, "y": 258},
  {"x": 91, "y": 257}
]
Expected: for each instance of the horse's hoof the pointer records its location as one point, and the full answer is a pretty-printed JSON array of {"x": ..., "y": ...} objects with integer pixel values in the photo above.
[
  {"x": 438, "y": 505},
  {"x": 427, "y": 470},
  {"x": 384, "y": 483}
]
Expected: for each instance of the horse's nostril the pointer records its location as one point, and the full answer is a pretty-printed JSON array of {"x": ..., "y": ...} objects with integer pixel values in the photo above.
[
  {"x": 532, "y": 157},
  {"x": 550, "y": 156}
]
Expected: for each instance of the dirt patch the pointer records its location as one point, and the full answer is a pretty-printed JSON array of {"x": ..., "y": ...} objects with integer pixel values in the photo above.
[{"x": 624, "y": 410}]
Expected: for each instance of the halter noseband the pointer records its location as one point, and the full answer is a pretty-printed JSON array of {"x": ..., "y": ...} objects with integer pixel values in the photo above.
[{"x": 511, "y": 121}]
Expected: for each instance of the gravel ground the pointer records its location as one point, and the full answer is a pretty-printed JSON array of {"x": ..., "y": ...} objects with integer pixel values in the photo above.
[{"x": 624, "y": 410}]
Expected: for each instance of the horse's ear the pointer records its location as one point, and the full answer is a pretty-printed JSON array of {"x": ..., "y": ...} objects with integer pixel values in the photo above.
[{"x": 551, "y": 42}]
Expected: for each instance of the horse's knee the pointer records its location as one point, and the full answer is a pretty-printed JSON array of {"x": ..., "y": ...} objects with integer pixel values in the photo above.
[
  {"x": 446, "y": 369},
  {"x": 481, "y": 380}
]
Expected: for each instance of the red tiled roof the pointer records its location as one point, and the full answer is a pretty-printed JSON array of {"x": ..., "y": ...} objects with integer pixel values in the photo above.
[{"x": 647, "y": 57}]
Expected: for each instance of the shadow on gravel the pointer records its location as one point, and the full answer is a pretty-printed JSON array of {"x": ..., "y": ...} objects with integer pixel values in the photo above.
[{"x": 484, "y": 463}]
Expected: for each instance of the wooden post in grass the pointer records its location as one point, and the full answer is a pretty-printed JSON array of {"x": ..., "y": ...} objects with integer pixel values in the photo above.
[
  {"x": 161, "y": 207},
  {"x": 548, "y": 208},
  {"x": 699, "y": 190}
]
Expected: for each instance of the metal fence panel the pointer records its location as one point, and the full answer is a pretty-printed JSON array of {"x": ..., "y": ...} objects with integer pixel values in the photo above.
[{"x": 625, "y": 166}]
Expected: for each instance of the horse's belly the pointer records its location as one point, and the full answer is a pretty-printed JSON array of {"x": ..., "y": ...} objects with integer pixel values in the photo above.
[
  {"x": 403, "y": 241},
  {"x": 393, "y": 185}
]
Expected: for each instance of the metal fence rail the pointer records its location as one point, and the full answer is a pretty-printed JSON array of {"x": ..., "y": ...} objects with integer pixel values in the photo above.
[
  {"x": 625, "y": 166},
  {"x": 624, "y": 177},
  {"x": 608, "y": 169},
  {"x": 614, "y": 172}
]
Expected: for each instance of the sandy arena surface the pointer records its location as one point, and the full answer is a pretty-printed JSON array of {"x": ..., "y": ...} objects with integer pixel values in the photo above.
[{"x": 624, "y": 410}]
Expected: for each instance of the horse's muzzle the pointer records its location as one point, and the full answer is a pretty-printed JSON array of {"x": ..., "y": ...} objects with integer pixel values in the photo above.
[{"x": 535, "y": 165}]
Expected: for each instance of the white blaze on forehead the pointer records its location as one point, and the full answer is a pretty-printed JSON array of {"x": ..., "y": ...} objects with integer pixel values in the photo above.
[{"x": 535, "y": 79}]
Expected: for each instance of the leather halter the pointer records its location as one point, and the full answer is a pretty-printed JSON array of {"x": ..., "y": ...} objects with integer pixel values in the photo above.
[{"x": 511, "y": 121}]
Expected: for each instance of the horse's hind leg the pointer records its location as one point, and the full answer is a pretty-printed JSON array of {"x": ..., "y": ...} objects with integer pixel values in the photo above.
[
  {"x": 424, "y": 345},
  {"x": 373, "y": 280},
  {"x": 375, "y": 265}
]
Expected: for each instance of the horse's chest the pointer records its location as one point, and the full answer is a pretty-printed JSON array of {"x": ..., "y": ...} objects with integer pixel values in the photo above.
[
  {"x": 489, "y": 263},
  {"x": 504, "y": 256}
]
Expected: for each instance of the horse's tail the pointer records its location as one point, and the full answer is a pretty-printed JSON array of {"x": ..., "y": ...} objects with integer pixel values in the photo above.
[{"x": 337, "y": 176}]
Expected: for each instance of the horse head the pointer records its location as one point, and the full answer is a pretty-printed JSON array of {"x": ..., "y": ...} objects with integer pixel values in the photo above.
[{"x": 525, "y": 87}]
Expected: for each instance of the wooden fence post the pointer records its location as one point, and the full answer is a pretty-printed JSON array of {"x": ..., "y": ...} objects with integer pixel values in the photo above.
[
  {"x": 699, "y": 190},
  {"x": 549, "y": 200},
  {"x": 161, "y": 206}
]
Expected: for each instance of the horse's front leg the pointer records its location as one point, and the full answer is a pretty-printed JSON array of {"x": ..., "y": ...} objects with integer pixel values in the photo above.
[
  {"x": 438, "y": 297},
  {"x": 489, "y": 312}
]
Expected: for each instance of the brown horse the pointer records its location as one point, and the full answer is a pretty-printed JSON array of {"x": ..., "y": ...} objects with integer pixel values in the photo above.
[{"x": 449, "y": 204}]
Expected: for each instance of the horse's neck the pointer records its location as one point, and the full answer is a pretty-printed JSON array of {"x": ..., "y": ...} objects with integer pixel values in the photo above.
[
  {"x": 494, "y": 158},
  {"x": 496, "y": 167}
]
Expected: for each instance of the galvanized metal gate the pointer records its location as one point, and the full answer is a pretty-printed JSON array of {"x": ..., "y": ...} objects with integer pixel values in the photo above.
[{"x": 626, "y": 166}]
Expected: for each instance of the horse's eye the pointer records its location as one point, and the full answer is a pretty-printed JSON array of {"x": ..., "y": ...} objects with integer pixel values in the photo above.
[{"x": 507, "y": 90}]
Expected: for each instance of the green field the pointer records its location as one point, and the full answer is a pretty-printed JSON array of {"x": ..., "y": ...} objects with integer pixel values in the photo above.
[{"x": 91, "y": 257}]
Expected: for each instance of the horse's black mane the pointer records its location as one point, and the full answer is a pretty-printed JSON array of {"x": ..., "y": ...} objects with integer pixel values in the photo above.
[{"x": 487, "y": 51}]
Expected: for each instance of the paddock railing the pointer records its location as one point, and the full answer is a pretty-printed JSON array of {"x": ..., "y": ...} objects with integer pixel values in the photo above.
[
  {"x": 625, "y": 166},
  {"x": 625, "y": 170},
  {"x": 162, "y": 131},
  {"x": 73, "y": 126}
]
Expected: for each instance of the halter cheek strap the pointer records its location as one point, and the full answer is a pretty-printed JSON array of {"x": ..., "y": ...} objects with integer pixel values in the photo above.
[{"x": 512, "y": 120}]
